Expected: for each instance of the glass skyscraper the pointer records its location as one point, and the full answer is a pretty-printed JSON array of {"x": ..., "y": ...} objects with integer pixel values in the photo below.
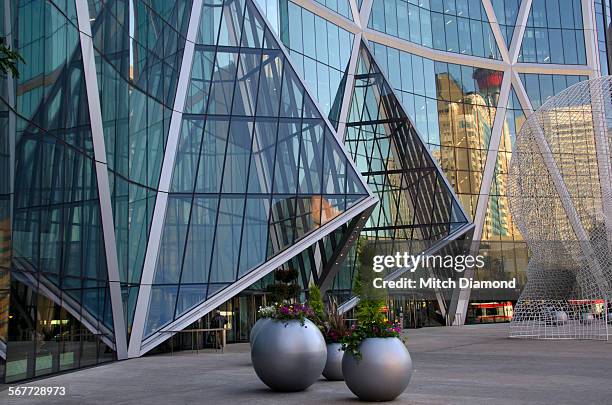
[{"x": 160, "y": 159}]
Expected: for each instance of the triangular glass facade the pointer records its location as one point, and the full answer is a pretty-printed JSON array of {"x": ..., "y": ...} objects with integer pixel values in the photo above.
[
  {"x": 417, "y": 207},
  {"x": 320, "y": 59},
  {"x": 257, "y": 166}
]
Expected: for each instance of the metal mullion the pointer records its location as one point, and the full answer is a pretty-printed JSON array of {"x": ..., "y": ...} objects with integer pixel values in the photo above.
[
  {"x": 321, "y": 161},
  {"x": 361, "y": 113},
  {"x": 185, "y": 243},
  {"x": 283, "y": 173},
  {"x": 416, "y": 198},
  {"x": 385, "y": 183},
  {"x": 220, "y": 191},
  {"x": 302, "y": 268},
  {"x": 333, "y": 168},
  {"x": 425, "y": 148},
  {"x": 520, "y": 24},
  {"x": 212, "y": 255},
  {"x": 262, "y": 270},
  {"x": 101, "y": 170},
  {"x": 160, "y": 206},
  {"x": 271, "y": 200},
  {"x": 301, "y": 158},
  {"x": 285, "y": 52},
  {"x": 272, "y": 232},
  {"x": 386, "y": 186},
  {"x": 328, "y": 14},
  {"x": 496, "y": 29},
  {"x": 434, "y": 205},
  {"x": 246, "y": 192}
]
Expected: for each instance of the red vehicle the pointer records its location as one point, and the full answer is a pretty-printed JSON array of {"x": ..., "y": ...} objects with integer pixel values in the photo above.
[{"x": 490, "y": 312}]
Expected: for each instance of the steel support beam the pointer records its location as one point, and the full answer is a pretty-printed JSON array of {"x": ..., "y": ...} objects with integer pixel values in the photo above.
[
  {"x": 461, "y": 296},
  {"x": 519, "y": 31},
  {"x": 499, "y": 38},
  {"x": 161, "y": 202},
  {"x": 349, "y": 87},
  {"x": 364, "y": 13},
  {"x": 430, "y": 53},
  {"x": 139, "y": 345},
  {"x": 106, "y": 208},
  {"x": 590, "y": 37}
]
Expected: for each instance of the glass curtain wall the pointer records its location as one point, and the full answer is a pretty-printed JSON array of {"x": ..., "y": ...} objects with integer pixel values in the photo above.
[
  {"x": 138, "y": 49},
  {"x": 59, "y": 315},
  {"x": 459, "y": 27},
  {"x": 257, "y": 167}
]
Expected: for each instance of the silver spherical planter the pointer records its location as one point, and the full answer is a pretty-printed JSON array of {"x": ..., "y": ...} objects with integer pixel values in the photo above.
[
  {"x": 333, "y": 365},
  {"x": 256, "y": 328},
  {"x": 288, "y": 356},
  {"x": 382, "y": 373}
]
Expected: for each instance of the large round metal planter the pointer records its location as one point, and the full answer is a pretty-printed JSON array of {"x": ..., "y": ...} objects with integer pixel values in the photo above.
[
  {"x": 288, "y": 356},
  {"x": 256, "y": 328},
  {"x": 333, "y": 365},
  {"x": 382, "y": 373}
]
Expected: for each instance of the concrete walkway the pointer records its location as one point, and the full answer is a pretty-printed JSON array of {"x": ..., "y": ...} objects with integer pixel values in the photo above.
[{"x": 459, "y": 365}]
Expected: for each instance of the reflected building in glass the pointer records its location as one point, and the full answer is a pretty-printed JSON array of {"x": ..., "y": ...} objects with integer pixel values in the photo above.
[{"x": 160, "y": 160}]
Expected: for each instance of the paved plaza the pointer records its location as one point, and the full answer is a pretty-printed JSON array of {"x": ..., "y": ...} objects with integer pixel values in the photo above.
[{"x": 459, "y": 365}]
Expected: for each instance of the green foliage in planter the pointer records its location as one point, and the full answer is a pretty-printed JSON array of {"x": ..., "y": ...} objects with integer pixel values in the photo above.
[
  {"x": 352, "y": 341},
  {"x": 283, "y": 292},
  {"x": 371, "y": 321},
  {"x": 9, "y": 59},
  {"x": 315, "y": 300},
  {"x": 286, "y": 275},
  {"x": 335, "y": 327},
  {"x": 331, "y": 324},
  {"x": 286, "y": 288}
]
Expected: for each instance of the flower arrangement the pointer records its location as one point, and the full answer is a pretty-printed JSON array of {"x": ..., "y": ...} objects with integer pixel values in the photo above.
[
  {"x": 360, "y": 332},
  {"x": 267, "y": 311},
  {"x": 289, "y": 312},
  {"x": 334, "y": 327},
  {"x": 286, "y": 312},
  {"x": 371, "y": 322},
  {"x": 331, "y": 324}
]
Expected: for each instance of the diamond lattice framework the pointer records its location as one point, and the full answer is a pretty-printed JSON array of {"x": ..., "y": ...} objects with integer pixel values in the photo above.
[{"x": 560, "y": 196}]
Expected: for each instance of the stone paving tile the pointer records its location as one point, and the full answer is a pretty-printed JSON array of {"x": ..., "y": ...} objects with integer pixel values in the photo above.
[{"x": 459, "y": 365}]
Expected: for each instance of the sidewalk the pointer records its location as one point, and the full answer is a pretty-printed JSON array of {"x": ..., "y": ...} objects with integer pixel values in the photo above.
[{"x": 459, "y": 365}]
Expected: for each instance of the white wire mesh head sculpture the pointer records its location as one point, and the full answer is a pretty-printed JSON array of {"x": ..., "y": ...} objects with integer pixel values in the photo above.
[{"x": 559, "y": 189}]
